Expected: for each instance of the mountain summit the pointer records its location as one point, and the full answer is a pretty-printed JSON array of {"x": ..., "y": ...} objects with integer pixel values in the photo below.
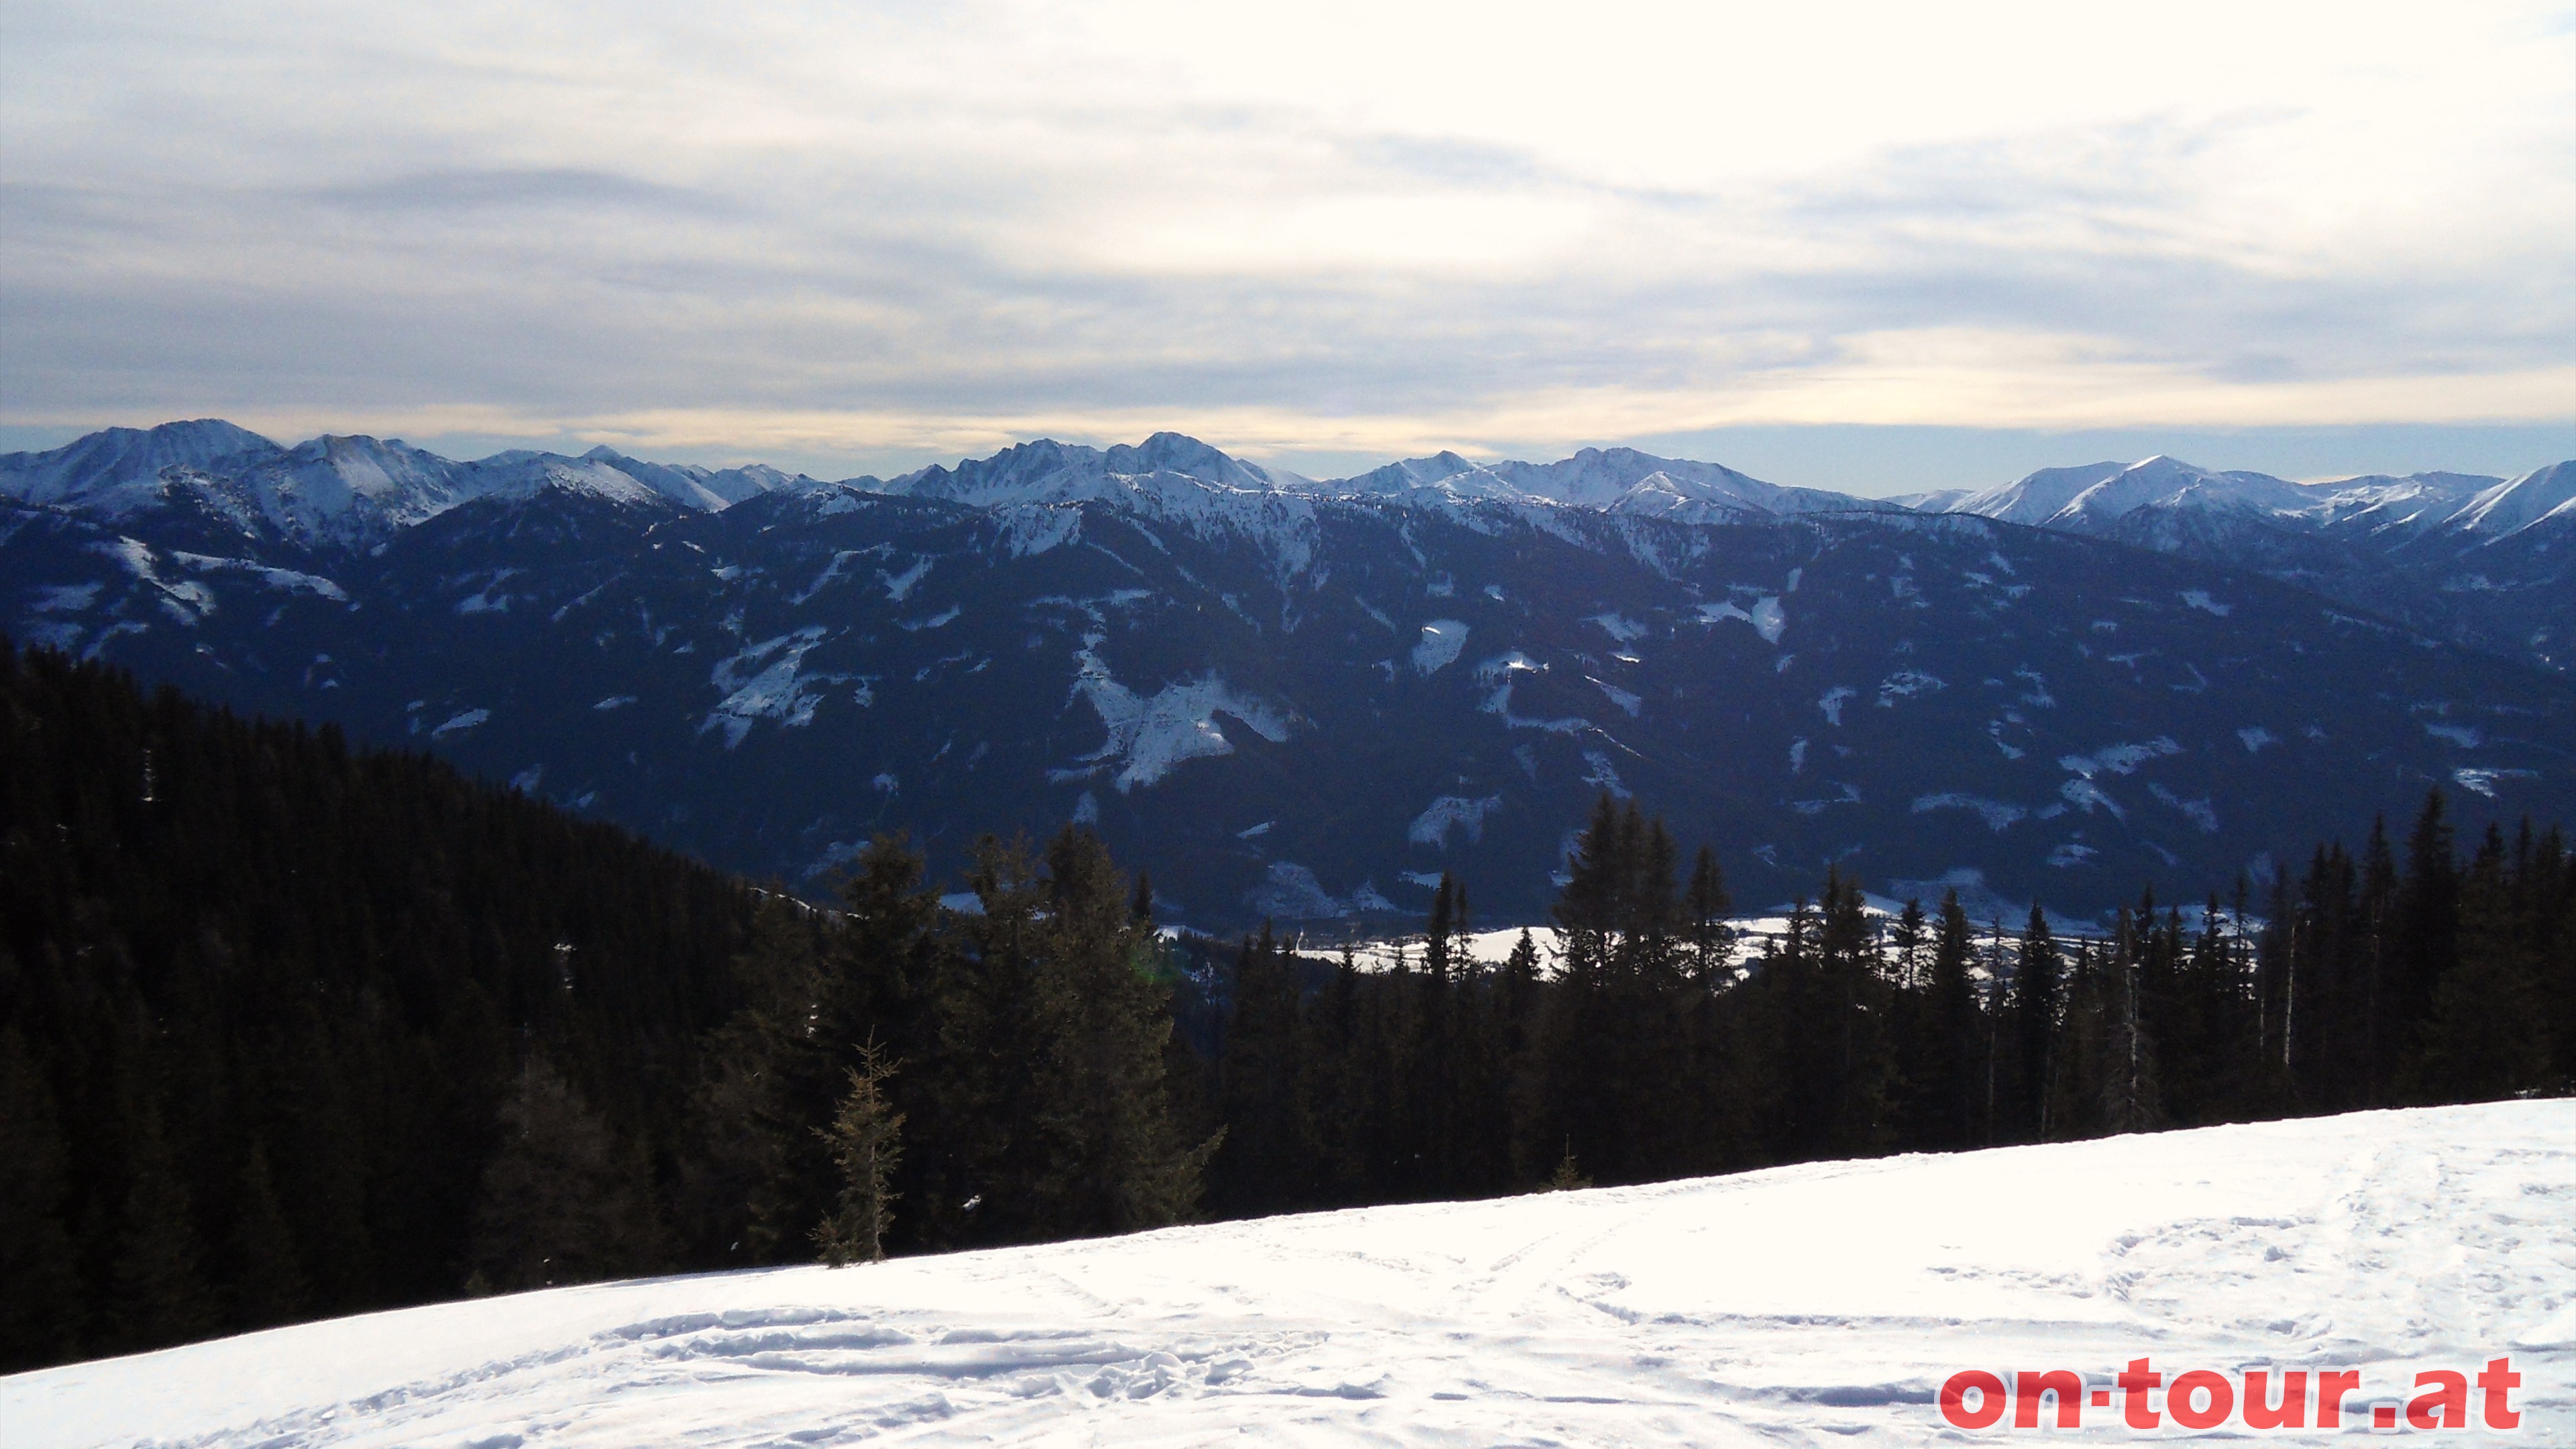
[
  {"x": 2490, "y": 562},
  {"x": 1306, "y": 699}
]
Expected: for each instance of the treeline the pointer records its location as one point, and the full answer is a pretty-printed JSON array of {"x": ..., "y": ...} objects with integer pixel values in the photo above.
[
  {"x": 262, "y": 998},
  {"x": 1652, "y": 1053},
  {"x": 290, "y": 1030}
]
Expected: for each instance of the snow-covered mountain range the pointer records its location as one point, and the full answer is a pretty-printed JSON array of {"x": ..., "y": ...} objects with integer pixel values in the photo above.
[
  {"x": 1827, "y": 1303},
  {"x": 2487, "y": 561},
  {"x": 1305, "y": 699}
]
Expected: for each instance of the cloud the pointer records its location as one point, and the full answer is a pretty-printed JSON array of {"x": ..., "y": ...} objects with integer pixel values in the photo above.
[
  {"x": 1366, "y": 228},
  {"x": 531, "y": 187}
]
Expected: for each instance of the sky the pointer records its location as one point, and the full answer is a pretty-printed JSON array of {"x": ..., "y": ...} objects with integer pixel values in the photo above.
[{"x": 1879, "y": 247}]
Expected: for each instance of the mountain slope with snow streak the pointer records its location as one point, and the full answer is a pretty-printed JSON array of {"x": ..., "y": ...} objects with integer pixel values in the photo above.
[
  {"x": 2481, "y": 561},
  {"x": 1821, "y": 1304},
  {"x": 1174, "y": 646}
]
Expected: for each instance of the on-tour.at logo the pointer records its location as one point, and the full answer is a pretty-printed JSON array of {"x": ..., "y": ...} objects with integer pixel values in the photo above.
[{"x": 2207, "y": 1398}]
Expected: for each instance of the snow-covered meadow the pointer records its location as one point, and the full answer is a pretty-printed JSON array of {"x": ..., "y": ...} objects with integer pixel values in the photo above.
[{"x": 1821, "y": 1304}]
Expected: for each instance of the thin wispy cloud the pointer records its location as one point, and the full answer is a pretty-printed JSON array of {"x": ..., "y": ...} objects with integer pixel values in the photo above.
[{"x": 865, "y": 231}]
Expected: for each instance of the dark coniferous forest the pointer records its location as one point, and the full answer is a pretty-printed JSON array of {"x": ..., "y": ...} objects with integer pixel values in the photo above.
[{"x": 290, "y": 1030}]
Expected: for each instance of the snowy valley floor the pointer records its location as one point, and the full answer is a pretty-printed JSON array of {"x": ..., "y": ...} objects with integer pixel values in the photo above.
[{"x": 1822, "y": 1304}]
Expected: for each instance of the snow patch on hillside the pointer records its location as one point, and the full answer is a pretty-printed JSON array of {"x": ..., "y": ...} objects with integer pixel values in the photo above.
[
  {"x": 2085, "y": 795},
  {"x": 1500, "y": 703},
  {"x": 760, "y": 686},
  {"x": 1291, "y": 892},
  {"x": 2118, "y": 759},
  {"x": 1623, "y": 630},
  {"x": 2200, "y": 812},
  {"x": 2484, "y": 781},
  {"x": 1439, "y": 645},
  {"x": 287, "y": 581},
  {"x": 184, "y": 600},
  {"x": 1600, "y": 774},
  {"x": 1452, "y": 812},
  {"x": 1150, "y": 735},
  {"x": 1996, "y": 813},
  {"x": 1034, "y": 528},
  {"x": 1845, "y": 794},
  {"x": 1906, "y": 684},
  {"x": 898, "y": 587},
  {"x": 1766, "y": 616}
]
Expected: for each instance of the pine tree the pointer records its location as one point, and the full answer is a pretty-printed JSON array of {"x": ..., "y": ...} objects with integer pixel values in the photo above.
[
  {"x": 2129, "y": 1093},
  {"x": 755, "y": 1180},
  {"x": 1857, "y": 993},
  {"x": 1705, "y": 904},
  {"x": 2382, "y": 1003},
  {"x": 1518, "y": 992},
  {"x": 1908, "y": 940},
  {"x": 1145, "y": 1175},
  {"x": 2035, "y": 1004},
  {"x": 562, "y": 1203},
  {"x": 1051, "y": 1094},
  {"x": 2547, "y": 889},
  {"x": 1432, "y": 1062},
  {"x": 160, "y": 1294},
  {"x": 2423, "y": 934},
  {"x": 267, "y": 1279},
  {"x": 1263, "y": 1166},
  {"x": 1617, "y": 1025},
  {"x": 39, "y": 1290},
  {"x": 1948, "y": 1062},
  {"x": 2488, "y": 1032},
  {"x": 1567, "y": 1177},
  {"x": 866, "y": 1144}
]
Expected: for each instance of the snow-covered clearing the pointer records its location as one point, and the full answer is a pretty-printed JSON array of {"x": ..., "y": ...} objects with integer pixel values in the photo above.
[{"x": 1822, "y": 1304}]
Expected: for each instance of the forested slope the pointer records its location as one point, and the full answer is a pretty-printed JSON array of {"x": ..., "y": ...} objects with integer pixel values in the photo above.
[
  {"x": 288, "y": 1030},
  {"x": 260, "y": 998}
]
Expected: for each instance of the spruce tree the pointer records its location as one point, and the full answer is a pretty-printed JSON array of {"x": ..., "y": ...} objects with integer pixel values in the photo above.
[
  {"x": 2035, "y": 997},
  {"x": 1705, "y": 904},
  {"x": 1908, "y": 939},
  {"x": 1518, "y": 992},
  {"x": 1054, "y": 1099},
  {"x": 2128, "y": 1090},
  {"x": 268, "y": 1284},
  {"x": 755, "y": 1180},
  {"x": 1263, "y": 1164},
  {"x": 2383, "y": 993},
  {"x": 40, "y": 1293},
  {"x": 1949, "y": 1055},
  {"x": 1145, "y": 1175},
  {"x": 2424, "y": 932},
  {"x": 865, "y": 1141},
  {"x": 159, "y": 1288},
  {"x": 2488, "y": 1032},
  {"x": 562, "y": 1201}
]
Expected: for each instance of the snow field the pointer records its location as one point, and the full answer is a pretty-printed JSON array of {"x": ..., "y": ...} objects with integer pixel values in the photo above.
[{"x": 1819, "y": 1304}]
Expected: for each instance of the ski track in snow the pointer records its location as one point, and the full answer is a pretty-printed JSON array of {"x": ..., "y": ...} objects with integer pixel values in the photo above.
[{"x": 1819, "y": 1304}]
